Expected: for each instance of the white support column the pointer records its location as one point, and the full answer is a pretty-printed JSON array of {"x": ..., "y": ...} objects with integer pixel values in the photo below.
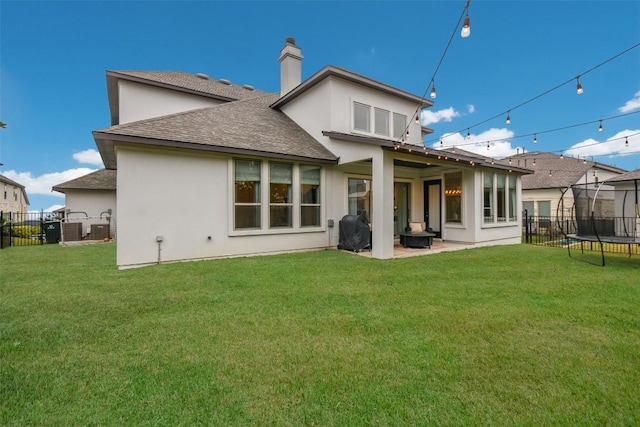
[{"x": 382, "y": 205}]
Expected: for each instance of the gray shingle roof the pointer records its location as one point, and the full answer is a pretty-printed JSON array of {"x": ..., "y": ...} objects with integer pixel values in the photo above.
[
  {"x": 250, "y": 127},
  {"x": 103, "y": 179},
  {"x": 191, "y": 82},
  {"x": 10, "y": 181},
  {"x": 565, "y": 171},
  {"x": 629, "y": 176}
]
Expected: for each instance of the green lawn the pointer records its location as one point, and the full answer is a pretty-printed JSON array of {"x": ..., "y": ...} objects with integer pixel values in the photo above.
[{"x": 517, "y": 335}]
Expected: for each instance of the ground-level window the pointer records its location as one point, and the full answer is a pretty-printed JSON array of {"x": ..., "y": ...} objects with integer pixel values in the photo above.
[
  {"x": 500, "y": 197},
  {"x": 453, "y": 197},
  {"x": 247, "y": 194},
  {"x": 280, "y": 200},
  {"x": 290, "y": 195},
  {"x": 309, "y": 195},
  {"x": 360, "y": 197}
]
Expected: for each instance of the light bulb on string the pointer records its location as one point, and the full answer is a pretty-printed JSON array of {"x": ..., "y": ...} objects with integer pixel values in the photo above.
[
  {"x": 534, "y": 161},
  {"x": 433, "y": 92},
  {"x": 561, "y": 155},
  {"x": 468, "y": 134},
  {"x": 508, "y": 121},
  {"x": 626, "y": 141},
  {"x": 579, "y": 89},
  {"x": 600, "y": 127},
  {"x": 417, "y": 119},
  {"x": 535, "y": 138},
  {"x": 466, "y": 28}
]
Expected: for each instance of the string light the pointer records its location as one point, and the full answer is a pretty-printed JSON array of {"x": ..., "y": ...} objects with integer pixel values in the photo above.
[
  {"x": 555, "y": 87},
  {"x": 508, "y": 121},
  {"x": 579, "y": 89},
  {"x": 600, "y": 127},
  {"x": 534, "y": 161},
  {"x": 468, "y": 134},
  {"x": 466, "y": 25},
  {"x": 417, "y": 119},
  {"x": 535, "y": 138},
  {"x": 433, "y": 90},
  {"x": 626, "y": 141},
  {"x": 561, "y": 155}
]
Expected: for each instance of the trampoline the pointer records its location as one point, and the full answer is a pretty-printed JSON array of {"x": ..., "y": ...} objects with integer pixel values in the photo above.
[{"x": 603, "y": 213}]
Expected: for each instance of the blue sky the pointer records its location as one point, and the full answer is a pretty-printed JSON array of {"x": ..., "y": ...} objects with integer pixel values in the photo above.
[{"x": 54, "y": 54}]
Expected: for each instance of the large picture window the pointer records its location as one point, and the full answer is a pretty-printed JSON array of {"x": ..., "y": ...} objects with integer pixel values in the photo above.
[
  {"x": 290, "y": 195},
  {"x": 309, "y": 195},
  {"x": 247, "y": 194},
  {"x": 453, "y": 197},
  {"x": 501, "y": 193},
  {"x": 280, "y": 201}
]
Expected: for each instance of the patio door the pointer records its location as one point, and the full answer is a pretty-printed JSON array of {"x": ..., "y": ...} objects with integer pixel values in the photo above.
[
  {"x": 433, "y": 206},
  {"x": 401, "y": 214}
]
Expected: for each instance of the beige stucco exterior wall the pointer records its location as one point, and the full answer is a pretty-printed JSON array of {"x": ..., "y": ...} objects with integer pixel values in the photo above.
[
  {"x": 138, "y": 102},
  {"x": 192, "y": 214}
]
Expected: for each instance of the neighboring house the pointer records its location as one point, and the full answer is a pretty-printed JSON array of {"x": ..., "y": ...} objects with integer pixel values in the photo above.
[
  {"x": 90, "y": 206},
  {"x": 206, "y": 168},
  {"x": 542, "y": 191},
  {"x": 627, "y": 200},
  {"x": 13, "y": 197}
]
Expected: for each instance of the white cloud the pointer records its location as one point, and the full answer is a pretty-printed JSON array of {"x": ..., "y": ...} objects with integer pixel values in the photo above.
[
  {"x": 498, "y": 140},
  {"x": 471, "y": 108},
  {"x": 89, "y": 157},
  {"x": 631, "y": 105},
  {"x": 42, "y": 184},
  {"x": 614, "y": 146},
  {"x": 428, "y": 117}
]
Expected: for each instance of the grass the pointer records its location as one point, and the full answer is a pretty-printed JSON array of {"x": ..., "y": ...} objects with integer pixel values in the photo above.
[{"x": 518, "y": 335}]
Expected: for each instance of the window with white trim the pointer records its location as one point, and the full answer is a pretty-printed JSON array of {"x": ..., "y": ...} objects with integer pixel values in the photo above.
[
  {"x": 309, "y": 196},
  {"x": 247, "y": 204},
  {"x": 280, "y": 200},
  {"x": 453, "y": 197},
  {"x": 290, "y": 197},
  {"x": 500, "y": 198},
  {"x": 361, "y": 117},
  {"x": 381, "y": 122},
  {"x": 399, "y": 125}
]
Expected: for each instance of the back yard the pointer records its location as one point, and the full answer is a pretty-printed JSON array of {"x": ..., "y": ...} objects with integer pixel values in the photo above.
[{"x": 517, "y": 335}]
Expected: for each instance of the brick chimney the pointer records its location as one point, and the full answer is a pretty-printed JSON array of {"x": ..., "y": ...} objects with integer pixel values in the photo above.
[{"x": 290, "y": 66}]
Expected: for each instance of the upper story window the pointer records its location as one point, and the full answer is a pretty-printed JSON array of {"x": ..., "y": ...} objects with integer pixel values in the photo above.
[
  {"x": 378, "y": 121},
  {"x": 399, "y": 125},
  {"x": 361, "y": 117},
  {"x": 381, "y": 122}
]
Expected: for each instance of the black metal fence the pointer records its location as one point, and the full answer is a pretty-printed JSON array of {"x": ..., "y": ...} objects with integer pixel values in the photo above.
[
  {"x": 552, "y": 231},
  {"x": 31, "y": 228}
]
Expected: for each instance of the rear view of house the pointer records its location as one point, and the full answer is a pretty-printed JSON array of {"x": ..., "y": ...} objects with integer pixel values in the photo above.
[{"x": 207, "y": 168}]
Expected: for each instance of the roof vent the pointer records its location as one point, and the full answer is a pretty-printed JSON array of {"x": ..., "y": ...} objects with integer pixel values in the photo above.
[
  {"x": 291, "y": 40},
  {"x": 248, "y": 87},
  {"x": 202, "y": 76},
  {"x": 224, "y": 81}
]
